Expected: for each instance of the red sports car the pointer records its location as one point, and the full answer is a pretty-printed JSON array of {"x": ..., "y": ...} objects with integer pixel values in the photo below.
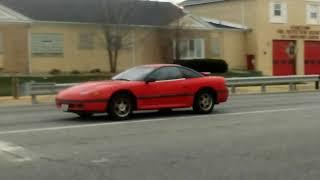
[{"x": 147, "y": 87}]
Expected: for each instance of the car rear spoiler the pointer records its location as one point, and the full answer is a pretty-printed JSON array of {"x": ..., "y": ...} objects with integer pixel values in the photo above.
[{"x": 206, "y": 73}]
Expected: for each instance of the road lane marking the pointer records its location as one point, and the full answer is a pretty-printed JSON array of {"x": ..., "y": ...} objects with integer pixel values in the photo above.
[
  {"x": 13, "y": 152},
  {"x": 150, "y": 120},
  {"x": 100, "y": 161}
]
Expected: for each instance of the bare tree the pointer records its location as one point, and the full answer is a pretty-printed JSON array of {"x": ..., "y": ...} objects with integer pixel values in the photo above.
[
  {"x": 120, "y": 14},
  {"x": 117, "y": 14},
  {"x": 178, "y": 29},
  {"x": 171, "y": 38}
]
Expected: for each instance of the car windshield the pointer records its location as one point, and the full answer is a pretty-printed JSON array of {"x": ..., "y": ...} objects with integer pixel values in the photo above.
[{"x": 134, "y": 74}]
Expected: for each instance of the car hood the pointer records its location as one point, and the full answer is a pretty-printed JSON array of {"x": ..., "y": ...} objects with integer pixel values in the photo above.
[
  {"x": 83, "y": 89},
  {"x": 96, "y": 84}
]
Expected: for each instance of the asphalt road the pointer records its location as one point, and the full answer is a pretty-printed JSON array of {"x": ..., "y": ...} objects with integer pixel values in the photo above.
[{"x": 251, "y": 137}]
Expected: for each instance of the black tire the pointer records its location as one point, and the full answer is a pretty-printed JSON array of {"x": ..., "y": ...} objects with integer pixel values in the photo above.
[
  {"x": 120, "y": 107},
  {"x": 84, "y": 115},
  {"x": 204, "y": 102}
]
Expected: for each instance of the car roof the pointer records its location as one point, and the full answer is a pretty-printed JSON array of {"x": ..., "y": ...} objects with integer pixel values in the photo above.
[{"x": 160, "y": 65}]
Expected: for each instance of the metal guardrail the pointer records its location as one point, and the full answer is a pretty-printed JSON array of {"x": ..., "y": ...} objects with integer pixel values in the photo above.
[
  {"x": 34, "y": 89},
  {"x": 292, "y": 81}
]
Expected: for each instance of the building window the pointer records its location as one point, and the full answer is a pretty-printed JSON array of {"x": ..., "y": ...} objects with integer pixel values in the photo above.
[
  {"x": 47, "y": 44},
  {"x": 313, "y": 13},
  {"x": 277, "y": 9},
  {"x": 189, "y": 49},
  {"x": 86, "y": 41},
  {"x": 278, "y": 12}
]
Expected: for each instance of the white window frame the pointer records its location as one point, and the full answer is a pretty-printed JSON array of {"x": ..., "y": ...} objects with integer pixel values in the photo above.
[
  {"x": 309, "y": 7},
  {"x": 283, "y": 18},
  {"x": 189, "y": 55}
]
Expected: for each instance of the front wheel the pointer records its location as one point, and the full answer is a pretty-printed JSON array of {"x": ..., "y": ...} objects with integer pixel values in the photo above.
[
  {"x": 120, "y": 107},
  {"x": 203, "y": 102}
]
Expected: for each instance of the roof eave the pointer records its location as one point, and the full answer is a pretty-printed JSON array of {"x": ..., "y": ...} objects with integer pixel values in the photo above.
[
  {"x": 185, "y": 3},
  {"x": 124, "y": 25},
  {"x": 96, "y": 23},
  {"x": 18, "y": 16}
]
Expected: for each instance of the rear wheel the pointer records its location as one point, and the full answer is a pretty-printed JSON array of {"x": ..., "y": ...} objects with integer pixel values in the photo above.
[
  {"x": 203, "y": 102},
  {"x": 120, "y": 107}
]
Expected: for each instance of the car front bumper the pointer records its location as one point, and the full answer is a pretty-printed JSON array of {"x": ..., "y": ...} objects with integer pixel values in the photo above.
[
  {"x": 223, "y": 95},
  {"x": 96, "y": 105}
]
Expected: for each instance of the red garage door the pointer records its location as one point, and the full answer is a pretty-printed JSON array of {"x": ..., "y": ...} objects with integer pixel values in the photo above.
[
  {"x": 312, "y": 57},
  {"x": 284, "y": 58}
]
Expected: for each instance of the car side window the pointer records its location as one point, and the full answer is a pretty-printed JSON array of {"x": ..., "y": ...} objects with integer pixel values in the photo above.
[
  {"x": 166, "y": 73},
  {"x": 188, "y": 73}
]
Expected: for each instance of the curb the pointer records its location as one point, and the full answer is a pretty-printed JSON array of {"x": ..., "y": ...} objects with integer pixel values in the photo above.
[{"x": 9, "y": 101}]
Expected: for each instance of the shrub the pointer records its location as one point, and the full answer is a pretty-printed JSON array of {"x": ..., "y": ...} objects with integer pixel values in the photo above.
[
  {"x": 75, "y": 72},
  {"x": 55, "y": 71},
  {"x": 205, "y": 65},
  {"x": 93, "y": 71}
]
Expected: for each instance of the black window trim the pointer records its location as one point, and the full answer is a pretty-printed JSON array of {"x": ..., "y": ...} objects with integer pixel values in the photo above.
[
  {"x": 147, "y": 77},
  {"x": 186, "y": 68}
]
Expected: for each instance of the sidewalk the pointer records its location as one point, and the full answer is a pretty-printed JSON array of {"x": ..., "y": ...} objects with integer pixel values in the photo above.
[{"x": 25, "y": 100}]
